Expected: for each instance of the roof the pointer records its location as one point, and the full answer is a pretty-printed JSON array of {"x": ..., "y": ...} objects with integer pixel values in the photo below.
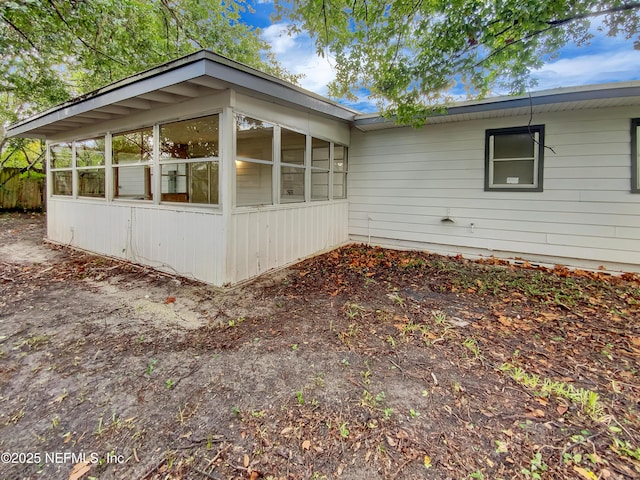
[
  {"x": 558, "y": 99},
  {"x": 197, "y": 74},
  {"x": 204, "y": 73}
]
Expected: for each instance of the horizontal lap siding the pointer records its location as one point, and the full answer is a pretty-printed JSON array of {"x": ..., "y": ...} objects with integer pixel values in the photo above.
[
  {"x": 264, "y": 239},
  {"x": 188, "y": 243},
  {"x": 403, "y": 182}
]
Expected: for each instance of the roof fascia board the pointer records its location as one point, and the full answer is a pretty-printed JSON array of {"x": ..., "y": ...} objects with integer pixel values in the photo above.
[
  {"x": 250, "y": 80},
  {"x": 503, "y": 103},
  {"x": 124, "y": 92}
]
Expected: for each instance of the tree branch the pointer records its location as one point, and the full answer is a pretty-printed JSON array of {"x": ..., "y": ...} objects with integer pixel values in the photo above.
[
  {"x": 20, "y": 32},
  {"x": 597, "y": 13},
  {"x": 86, "y": 44}
]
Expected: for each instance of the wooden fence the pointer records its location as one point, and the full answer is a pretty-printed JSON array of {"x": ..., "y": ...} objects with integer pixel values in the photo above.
[{"x": 24, "y": 192}]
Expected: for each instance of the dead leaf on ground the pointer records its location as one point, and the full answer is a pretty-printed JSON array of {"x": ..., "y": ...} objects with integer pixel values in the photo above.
[
  {"x": 79, "y": 470},
  {"x": 170, "y": 300}
]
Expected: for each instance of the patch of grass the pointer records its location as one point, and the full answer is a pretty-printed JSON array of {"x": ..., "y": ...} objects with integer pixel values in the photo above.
[
  {"x": 587, "y": 400},
  {"x": 353, "y": 310}
]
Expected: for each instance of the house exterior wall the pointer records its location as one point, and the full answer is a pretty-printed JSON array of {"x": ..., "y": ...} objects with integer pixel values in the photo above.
[
  {"x": 403, "y": 182},
  {"x": 268, "y": 238},
  {"x": 190, "y": 243}
]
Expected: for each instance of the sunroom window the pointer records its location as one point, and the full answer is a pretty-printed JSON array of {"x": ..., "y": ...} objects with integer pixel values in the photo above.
[
  {"x": 339, "y": 171},
  {"x": 319, "y": 169},
  {"x": 189, "y": 160},
  {"x": 514, "y": 158},
  {"x": 254, "y": 161},
  {"x": 90, "y": 167},
  {"x": 61, "y": 162},
  {"x": 132, "y": 154},
  {"x": 293, "y": 146}
]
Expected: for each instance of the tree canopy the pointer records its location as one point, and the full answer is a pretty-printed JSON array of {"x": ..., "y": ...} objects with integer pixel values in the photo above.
[
  {"x": 52, "y": 50},
  {"x": 407, "y": 54}
]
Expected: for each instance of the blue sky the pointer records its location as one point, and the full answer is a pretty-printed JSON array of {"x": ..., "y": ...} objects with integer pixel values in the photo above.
[{"x": 604, "y": 60}]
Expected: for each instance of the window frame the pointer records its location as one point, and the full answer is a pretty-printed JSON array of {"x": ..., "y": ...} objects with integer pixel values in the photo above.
[
  {"x": 148, "y": 165},
  {"x": 188, "y": 162},
  {"x": 635, "y": 155},
  {"x": 54, "y": 170},
  {"x": 95, "y": 168},
  {"x": 538, "y": 159},
  {"x": 256, "y": 161}
]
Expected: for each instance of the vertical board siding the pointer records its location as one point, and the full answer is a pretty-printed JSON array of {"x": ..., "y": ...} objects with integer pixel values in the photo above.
[
  {"x": 265, "y": 239},
  {"x": 403, "y": 182},
  {"x": 187, "y": 243}
]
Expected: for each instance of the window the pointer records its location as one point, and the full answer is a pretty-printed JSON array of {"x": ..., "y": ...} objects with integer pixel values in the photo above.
[
  {"x": 514, "y": 158},
  {"x": 339, "y": 171},
  {"x": 319, "y": 169},
  {"x": 254, "y": 162},
  {"x": 90, "y": 167},
  {"x": 293, "y": 146},
  {"x": 132, "y": 154},
  {"x": 61, "y": 161},
  {"x": 189, "y": 160},
  {"x": 635, "y": 155}
]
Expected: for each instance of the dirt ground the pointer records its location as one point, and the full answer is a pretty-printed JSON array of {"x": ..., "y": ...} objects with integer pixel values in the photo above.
[{"x": 360, "y": 363}]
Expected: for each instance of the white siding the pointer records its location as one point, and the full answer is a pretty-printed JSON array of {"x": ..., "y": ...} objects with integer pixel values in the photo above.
[
  {"x": 403, "y": 182},
  {"x": 190, "y": 243},
  {"x": 271, "y": 237}
]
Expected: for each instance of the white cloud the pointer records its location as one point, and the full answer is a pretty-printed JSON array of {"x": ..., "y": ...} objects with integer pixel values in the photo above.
[
  {"x": 615, "y": 66},
  {"x": 277, "y": 36}
]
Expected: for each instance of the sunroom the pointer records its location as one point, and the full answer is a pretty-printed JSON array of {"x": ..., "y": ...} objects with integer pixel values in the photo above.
[{"x": 201, "y": 167}]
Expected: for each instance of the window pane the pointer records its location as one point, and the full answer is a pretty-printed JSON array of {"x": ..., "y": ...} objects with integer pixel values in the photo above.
[
  {"x": 513, "y": 172},
  {"x": 319, "y": 185},
  {"x": 90, "y": 153},
  {"x": 293, "y": 146},
  {"x": 61, "y": 156},
  {"x": 513, "y": 145},
  {"x": 133, "y": 147},
  {"x": 339, "y": 185},
  {"x": 91, "y": 182},
  {"x": 339, "y": 158},
  {"x": 133, "y": 182},
  {"x": 62, "y": 183},
  {"x": 190, "y": 182},
  {"x": 254, "y": 138},
  {"x": 291, "y": 184},
  {"x": 253, "y": 183},
  {"x": 319, "y": 153},
  {"x": 204, "y": 182},
  {"x": 197, "y": 138}
]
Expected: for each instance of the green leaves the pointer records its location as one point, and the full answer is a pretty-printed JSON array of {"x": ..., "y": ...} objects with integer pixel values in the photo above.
[{"x": 407, "y": 54}]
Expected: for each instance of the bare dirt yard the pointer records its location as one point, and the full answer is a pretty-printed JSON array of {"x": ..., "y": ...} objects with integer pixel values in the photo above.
[{"x": 362, "y": 363}]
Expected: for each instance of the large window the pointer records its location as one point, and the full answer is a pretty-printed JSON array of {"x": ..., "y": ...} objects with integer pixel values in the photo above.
[
  {"x": 514, "y": 158},
  {"x": 635, "y": 155},
  {"x": 90, "y": 167},
  {"x": 189, "y": 160},
  {"x": 293, "y": 146},
  {"x": 132, "y": 154},
  {"x": 319, "y": 169},
  {"x": 61, "y": 162},
  {"x": 254, "y": 161}
]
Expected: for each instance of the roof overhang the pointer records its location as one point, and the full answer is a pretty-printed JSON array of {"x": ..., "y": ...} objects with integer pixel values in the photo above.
[
  {"x": 199, "y": 74},
  {"x": 561, "y": 99}
]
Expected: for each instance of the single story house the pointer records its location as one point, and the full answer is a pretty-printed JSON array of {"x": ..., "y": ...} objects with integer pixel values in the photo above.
[{"x": 213, "y": 170}]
